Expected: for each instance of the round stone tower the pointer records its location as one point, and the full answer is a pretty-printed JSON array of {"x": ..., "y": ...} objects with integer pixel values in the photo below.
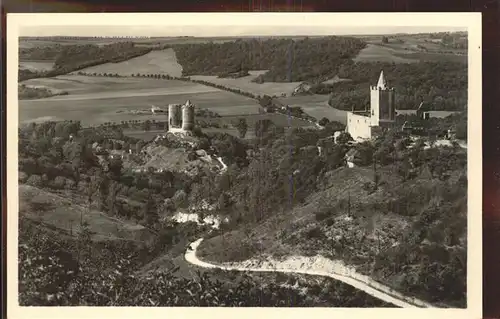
[{"x": 188, "y": 116}]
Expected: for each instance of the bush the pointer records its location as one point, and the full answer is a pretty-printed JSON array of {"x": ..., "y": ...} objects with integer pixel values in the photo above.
[
  {"x": 322, "y": 215},
  {"x": 315, "y": 233},
  {"x": 35, "y": 180},
  {"x": 180, "y": 199}
]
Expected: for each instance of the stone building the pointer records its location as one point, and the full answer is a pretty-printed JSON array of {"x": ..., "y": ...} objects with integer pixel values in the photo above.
[
  {"x": 382, "y": 114},
  {"x": 181, "y": 117}
]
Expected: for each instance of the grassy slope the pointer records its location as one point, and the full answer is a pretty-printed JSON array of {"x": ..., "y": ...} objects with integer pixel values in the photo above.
[
  {"x": 63, "y": 211},
  {"x": 286, "y": 234},
  {"x": 245, "y": 84}
]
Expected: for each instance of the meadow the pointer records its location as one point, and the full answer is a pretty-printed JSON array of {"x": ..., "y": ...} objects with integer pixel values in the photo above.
[
  {"x": 245, "y": 84},
  {"x": 380, "y": 53},
  {"x": 96, "y": 100},
  {"x": 161, "y": 62},
  {"x": 410, "y": 49},
  {"x": 317, "y": 106},
  {"x": 36, "y": 65},
  {"x": 66, "y": 214}
]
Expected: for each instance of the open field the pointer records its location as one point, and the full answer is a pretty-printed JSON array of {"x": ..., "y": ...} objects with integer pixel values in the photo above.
[
  {"x": 36, "y": 65},
  {"x": 245, "y": 84},
  {"x": 96, "y": 100},
  {"x": 404, "y": 53},
  {"x": 316, "y": 106},
  {"x": 31, "y": 43},
  {"x": 155, "y": 62},
  {"x": 76, "y": 84},
  {"x": 380, "y": 53}
]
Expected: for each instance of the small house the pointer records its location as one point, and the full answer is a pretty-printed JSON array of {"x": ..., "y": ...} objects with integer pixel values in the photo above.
[{"x": 423, "y": 111}]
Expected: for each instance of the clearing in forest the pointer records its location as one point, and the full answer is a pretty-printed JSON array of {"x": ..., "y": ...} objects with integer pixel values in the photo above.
[{"x": 245, "y": 84}]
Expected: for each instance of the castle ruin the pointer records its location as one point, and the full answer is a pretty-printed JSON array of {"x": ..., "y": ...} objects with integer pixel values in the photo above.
[{"x": 181, "y": 117}]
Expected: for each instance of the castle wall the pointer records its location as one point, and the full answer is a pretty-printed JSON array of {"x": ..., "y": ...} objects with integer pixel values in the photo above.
[{"x": 359, "y": 126}]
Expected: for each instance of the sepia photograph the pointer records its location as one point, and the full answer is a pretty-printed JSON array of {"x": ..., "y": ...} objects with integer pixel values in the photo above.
[{"x": 244, "y": 160}]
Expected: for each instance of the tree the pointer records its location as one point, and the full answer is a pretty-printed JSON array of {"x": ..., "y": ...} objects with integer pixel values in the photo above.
[
  {"x": 138, "y": 146},
  {"x": 115, "y": 166},
  {"x": 461, "y": 131},
  {"x": 262, "y": 127},
  {"x": 223, "y": 203},
  {"x": 35, "y": 180},
  {"x": 324, "y": 121},
  {"x": 146, "y": 125},
  {"x": 385, "y": 40},
  {"x": 150, "y": 212},
  {"x": 84, "y": 243},
  {"x": 343, "y": 138},
  {"x": 242, "y": 127}
]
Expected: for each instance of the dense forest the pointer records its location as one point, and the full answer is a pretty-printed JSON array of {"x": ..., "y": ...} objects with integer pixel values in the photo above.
[
  {"x": 287, "y": 60},
  {"x": 442, "y": 85}
]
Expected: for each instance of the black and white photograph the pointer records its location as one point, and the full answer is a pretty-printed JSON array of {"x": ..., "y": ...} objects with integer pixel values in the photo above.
[{"x": 244, "y": 160}]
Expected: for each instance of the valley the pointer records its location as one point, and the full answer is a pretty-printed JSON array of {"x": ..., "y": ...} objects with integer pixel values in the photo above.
[{"x": 269, "y": 177}]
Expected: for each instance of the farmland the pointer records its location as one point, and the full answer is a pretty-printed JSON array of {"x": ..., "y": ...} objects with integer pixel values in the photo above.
[
  {"x": 246, "y": 84},
  {"x": 96, "y": 100},
  {"x": 402, "y": 54},
  {"x": 155, "y": 62},
  {"x": 380, "y": 53},
  {"x": 36, "y": 65},
  {"x": 316, "y": 106}
]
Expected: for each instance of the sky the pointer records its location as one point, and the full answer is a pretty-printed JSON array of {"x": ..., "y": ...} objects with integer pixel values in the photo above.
[{"x": 223, "y": 30}]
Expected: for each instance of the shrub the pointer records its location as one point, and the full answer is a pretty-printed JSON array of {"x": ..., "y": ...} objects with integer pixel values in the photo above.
[
  {"x": 35, "y": 180},
  {"x": 322, "y": 215},
  {"x": 315, "y": 233}
]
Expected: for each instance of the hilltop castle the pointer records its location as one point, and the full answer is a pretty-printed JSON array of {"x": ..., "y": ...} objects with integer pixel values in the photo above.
[
  {"x": 382, "y": 114},
  {"x": 181, "y": 117}
]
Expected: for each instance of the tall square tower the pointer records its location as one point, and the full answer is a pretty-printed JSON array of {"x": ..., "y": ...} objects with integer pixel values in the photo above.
[{"x": 382, "y": 100}]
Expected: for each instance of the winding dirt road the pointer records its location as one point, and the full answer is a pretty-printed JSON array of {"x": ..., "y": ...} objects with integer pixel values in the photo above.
[{"x": 345, "y": 275}]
